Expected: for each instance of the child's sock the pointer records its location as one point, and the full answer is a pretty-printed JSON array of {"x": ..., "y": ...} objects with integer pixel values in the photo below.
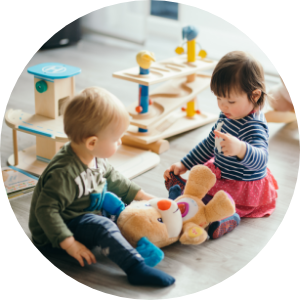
[
  {"x": 219, "y": 228},
  {"x": 175, "y": 179},
  {"x": 141, "y": 274},
  {"x": 174, "y": 192}
]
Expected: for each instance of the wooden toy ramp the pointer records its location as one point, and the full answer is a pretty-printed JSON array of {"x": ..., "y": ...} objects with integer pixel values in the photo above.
[
  {"x": 167, "y": 98},
  {"x": 168, "y": 69},
  {"x": 174, "y": 124}
]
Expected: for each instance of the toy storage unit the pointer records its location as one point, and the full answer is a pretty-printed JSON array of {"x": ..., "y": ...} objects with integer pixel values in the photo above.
[{"x": 54, "y": 85}]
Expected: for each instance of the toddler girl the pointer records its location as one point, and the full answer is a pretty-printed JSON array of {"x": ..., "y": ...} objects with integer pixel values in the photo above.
[{"x": 236, "y": 149}]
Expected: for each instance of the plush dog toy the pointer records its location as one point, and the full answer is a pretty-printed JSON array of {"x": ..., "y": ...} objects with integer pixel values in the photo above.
[{"x": 164, "y": 221}]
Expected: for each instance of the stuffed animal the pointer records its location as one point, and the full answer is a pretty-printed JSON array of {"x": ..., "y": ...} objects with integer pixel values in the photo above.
[{"x": 164, "y": 221}]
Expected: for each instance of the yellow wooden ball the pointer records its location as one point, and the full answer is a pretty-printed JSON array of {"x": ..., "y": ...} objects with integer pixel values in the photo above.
[
  {"x": 179, "y": 50},
  {"x": 202, "y": 53}
]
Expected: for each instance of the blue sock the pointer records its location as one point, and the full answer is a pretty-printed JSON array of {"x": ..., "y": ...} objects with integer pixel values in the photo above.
[
  {"x": 219, "y": 228},
  {"x": 174, "y": 192},
  {"x": 141, "y": 274}
]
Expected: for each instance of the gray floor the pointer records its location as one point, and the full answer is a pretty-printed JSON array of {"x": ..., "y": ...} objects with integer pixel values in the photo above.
[{"x": 194, "y": 267}]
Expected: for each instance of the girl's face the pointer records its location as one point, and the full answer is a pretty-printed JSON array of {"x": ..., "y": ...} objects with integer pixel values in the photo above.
[{"x": 237, "y": 106}]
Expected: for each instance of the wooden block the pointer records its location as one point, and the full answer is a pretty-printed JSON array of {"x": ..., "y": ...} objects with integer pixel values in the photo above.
[
  {"x": 131, "y": 162},
  {"x": 158, "y": 147},
  {"x": 64, "y": 92},
  {"x": 167, "y": 69},
  {"x": 280, "y": 116},
  {"x": 47, "y": 148},
  {"x": 45, "y": 102},
  {"x": 165, "y": 103}
]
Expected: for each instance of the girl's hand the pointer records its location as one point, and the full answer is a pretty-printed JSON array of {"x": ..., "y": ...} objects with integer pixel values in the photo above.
[
  {"x": 231, "y": 146},
  {"x": 178, "y": 169},
  {"x": 78, "y": 251}
]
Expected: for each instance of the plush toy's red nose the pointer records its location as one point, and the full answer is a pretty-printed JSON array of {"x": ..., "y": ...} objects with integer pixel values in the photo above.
[{"x": 164, "y": 204}]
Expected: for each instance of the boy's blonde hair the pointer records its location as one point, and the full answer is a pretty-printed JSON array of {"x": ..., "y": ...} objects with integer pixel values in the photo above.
[
  {"x": 239, "y": 71},
  {"x": 91, "y": 112}
]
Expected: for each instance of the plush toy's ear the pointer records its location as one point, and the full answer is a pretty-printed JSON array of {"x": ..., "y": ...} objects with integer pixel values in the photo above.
[
  {"x": 201, "y": 180},
  {"x": 151, "y": 254}
]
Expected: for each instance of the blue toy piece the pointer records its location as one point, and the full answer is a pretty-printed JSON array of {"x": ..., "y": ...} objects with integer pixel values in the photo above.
[
  {"x": 143, "y": 97},
  {"x": 189, "y": 32},
  {"x": 106, "y": 201},
  {"x": 112, "y": 204},
  {"x": 34, "y": 131},
  {"x": 151, "y": 254},
  {"x": 51, "y": 71}
]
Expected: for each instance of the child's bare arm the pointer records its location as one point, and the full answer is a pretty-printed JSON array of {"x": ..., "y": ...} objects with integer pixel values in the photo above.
[
  {"x": 141, "y": 195},
  {"x": 77, "y": 250}
]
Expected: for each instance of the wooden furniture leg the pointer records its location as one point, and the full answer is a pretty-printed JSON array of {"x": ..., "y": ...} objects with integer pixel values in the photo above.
[{"x": 15, "y": 144}]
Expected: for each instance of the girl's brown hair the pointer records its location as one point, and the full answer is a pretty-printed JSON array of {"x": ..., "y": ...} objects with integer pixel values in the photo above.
[
  {"x": 237, "y": 72},
  {"x": 91, "y": 112}
]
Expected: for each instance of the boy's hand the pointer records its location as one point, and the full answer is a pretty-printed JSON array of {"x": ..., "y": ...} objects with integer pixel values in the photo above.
[
  {"x": 141, "y": 195},
  {"x": 231, "y": 146},
  {"x": 78, "y": 251},
  {"x": 178, "y": 169}
]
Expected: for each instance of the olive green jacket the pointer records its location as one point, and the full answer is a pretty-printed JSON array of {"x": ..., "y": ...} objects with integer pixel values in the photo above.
[{"x": 63, "y": 193}]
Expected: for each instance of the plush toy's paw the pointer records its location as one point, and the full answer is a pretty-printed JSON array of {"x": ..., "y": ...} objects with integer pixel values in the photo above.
[
  {"x": 175, "y": 179},
  {"x": 151, "y": 254},
  {"x": 174, "y": 192},
  {"x": 193, "y": 234},
  {"x": 112, "y": 204}
]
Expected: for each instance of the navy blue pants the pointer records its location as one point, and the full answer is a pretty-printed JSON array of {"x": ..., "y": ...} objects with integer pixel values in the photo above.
[{"x": 93, "y": 230}]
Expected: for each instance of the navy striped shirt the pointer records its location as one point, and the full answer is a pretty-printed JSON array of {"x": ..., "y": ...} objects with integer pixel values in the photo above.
[{"x": 253, "y": 130}]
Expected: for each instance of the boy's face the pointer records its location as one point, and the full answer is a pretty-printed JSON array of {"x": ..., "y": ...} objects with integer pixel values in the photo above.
[{"x": 108, "y": 142}]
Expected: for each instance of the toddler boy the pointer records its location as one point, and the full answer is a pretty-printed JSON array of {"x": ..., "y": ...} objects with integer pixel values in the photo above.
[{"x": 67, "y": 201}]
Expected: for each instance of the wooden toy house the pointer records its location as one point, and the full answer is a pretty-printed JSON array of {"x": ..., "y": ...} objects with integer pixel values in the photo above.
[{"x": 53, "y": 85}]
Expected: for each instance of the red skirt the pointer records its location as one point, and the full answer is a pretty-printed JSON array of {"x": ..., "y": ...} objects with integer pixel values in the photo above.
[{"x": 253, "y": 199}]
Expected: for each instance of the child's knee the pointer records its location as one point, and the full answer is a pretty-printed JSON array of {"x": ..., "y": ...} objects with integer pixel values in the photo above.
[{"x": 109, "y": 225}]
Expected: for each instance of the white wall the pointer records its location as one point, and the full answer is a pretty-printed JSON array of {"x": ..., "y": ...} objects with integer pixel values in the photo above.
[{"x": 126, "y": 21}]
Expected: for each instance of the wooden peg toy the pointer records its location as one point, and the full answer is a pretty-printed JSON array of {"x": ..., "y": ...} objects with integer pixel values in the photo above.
[
  {"x": 190, "y": 33},
  {"x": 144, "y": 59}
]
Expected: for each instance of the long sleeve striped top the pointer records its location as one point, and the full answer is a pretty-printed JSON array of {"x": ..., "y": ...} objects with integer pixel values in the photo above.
[{"x": 252, "y": 130}]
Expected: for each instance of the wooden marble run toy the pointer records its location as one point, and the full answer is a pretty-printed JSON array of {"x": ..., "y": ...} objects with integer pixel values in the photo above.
[
  {"x": 54, "y": 85},
  {"x": 158, "y": 115}
]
